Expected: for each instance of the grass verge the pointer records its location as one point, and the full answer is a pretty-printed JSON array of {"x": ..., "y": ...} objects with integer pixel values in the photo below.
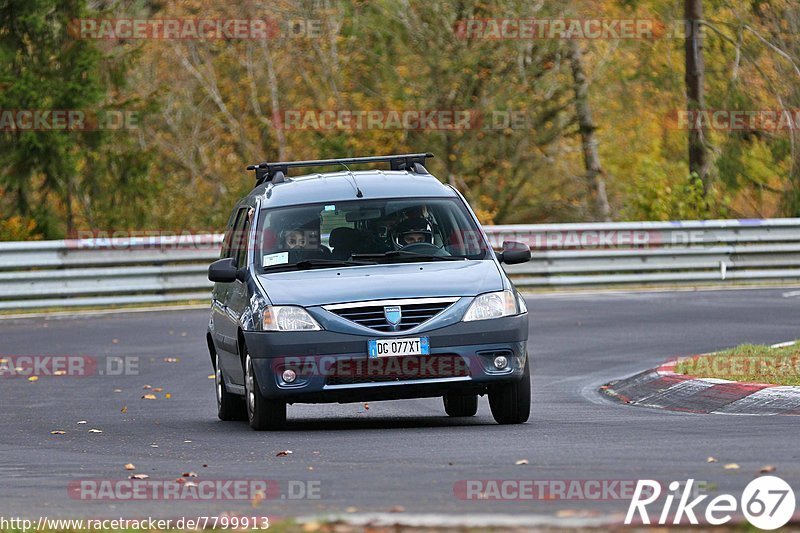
[{"x": 753, "y": 363}]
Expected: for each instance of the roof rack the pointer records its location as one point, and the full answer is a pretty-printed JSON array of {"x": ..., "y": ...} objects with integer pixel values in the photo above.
[{"x": 276, "y": 172}]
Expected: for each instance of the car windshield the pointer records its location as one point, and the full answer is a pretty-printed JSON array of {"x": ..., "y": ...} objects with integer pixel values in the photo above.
[{"x": 359, "y": 232}]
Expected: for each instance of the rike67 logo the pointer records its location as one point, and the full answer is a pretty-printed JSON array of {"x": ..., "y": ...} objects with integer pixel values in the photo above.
[{"x": 767, "y": 502}]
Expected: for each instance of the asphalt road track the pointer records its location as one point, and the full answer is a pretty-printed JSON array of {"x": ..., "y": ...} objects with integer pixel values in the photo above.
[{"x": 405, "y": 453}]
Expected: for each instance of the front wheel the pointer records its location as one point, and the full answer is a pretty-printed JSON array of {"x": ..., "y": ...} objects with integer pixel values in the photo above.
[
  {"x": 460, "y": 405},
  {"x": 511, "y": 402},
  {"x": 261, "y": 412}
]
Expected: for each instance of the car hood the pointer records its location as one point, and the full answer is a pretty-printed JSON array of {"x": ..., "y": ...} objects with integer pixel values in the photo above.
[{"x": 380, "y": 282}]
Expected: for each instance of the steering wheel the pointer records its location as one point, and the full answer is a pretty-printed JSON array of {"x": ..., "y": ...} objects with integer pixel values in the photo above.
[{"x": 424, "y": 248}]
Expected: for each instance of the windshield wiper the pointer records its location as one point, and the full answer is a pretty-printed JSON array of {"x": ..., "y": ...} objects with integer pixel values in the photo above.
[
  {"x": 403, "y": 254},
  {"x": 309, "y": 264}
]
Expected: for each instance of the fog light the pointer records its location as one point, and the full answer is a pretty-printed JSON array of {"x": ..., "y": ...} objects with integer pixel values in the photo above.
[
  {"x": 289, "y": 375},
  {"x": 500, "y": 362}
]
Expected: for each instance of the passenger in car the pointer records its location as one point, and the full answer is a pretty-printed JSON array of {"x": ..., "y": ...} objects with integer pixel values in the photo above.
[{"x": 294, "y": 239}]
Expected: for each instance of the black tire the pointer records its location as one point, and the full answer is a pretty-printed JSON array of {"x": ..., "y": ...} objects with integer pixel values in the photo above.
[
  {"x": 229, "y": 406},
  {"x": 263, "y": 414},
  {"x": 511, "y": 402},
  {"x": 460, "y": 404}
]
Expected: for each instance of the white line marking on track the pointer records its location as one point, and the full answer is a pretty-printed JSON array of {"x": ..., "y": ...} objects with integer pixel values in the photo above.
[
  {"x": 101, "y": 312},
  {"x": 577, "y": 292},
  {"x": 467, "y": 520},
  {"x": 783, "y": 344}
]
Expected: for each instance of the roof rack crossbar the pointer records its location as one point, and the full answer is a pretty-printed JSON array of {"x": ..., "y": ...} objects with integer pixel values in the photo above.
[{"x": 410, "y": 162}]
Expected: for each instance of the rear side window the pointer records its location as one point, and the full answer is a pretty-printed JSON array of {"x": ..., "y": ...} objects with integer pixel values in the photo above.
[
  {"x": 235, "y": 244},
  {"x": 241, "y": 257},
  {"x": 227, "y": 240}
]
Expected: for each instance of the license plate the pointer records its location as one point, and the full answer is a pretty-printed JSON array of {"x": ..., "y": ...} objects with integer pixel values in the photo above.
[{"x": 398, "y": 347}]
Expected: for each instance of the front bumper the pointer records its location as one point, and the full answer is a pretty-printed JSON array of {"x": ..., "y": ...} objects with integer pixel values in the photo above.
[{"x": 334, "y": 367}]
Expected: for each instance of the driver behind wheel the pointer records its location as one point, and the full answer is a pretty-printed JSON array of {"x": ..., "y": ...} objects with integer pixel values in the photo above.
[{"x": 413, "y": 231}]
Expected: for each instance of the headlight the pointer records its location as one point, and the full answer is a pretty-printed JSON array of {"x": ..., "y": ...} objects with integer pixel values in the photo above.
[
  {"x": 492, "y": 305},
  {"x": 288, "y": 318}
]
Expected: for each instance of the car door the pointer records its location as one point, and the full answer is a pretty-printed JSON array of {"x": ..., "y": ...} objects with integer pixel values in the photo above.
[{"x": 227, "y": 295}]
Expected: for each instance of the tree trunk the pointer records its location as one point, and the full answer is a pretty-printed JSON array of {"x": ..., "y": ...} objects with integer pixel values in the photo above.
[
  {"x": 695, "y": 76},
  {"x": 591, "y": 157}
]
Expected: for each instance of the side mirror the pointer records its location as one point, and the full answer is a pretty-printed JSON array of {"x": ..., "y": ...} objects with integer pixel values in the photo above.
[
  {"x": 223, "y": 271},
  {"x": 514, "y": 253}
]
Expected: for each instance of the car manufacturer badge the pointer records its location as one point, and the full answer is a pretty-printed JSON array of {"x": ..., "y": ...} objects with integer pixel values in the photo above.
[{"x": 393, "y": 314}]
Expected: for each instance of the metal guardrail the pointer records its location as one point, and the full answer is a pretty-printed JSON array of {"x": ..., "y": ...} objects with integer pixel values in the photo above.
[{"x": 99, "y": 272}]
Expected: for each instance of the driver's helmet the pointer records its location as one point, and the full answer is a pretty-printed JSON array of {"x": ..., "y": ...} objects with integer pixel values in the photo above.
[{"x": 413, "y": 231}]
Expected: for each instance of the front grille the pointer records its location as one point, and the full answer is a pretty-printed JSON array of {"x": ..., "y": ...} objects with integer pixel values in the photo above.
[
  {"x": 371, "y": 314},
  {"x": 396, "y": 369}
]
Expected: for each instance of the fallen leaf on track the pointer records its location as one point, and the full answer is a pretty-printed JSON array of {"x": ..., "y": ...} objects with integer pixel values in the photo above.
[
  {"x": 397, "y": 509},
  {"x": 123, "y": 410},
  {"x": 171, "y": 360},
  {"x": 188, "y": 474},
  {"x": 366, "y": 406},
  {"x": 158, "y": 389},
  {"x": 168, "y": 396},
  {"x": 81, "y": 422},
  {"x": 58, "y": 432},
  {"x": 130, "y": 466},
  {"x": 284, "y": 453},
  {"x": 521, "y": 462},
  {"x": 117, "y": 391},
  {"x": 767, "y": 469},
  {"x": 257, "y": 499},
  {"x": 149, "y": 397},
  {"x": 731, "y": 466},
  {"x": 139, "y": 476},
  {"x": 147, "y": 387},
  {"x": 711, "y": 460},
  {"x": 33, "y": 378},
  {"x": 211, "y": 376},
  {"x": 310, "y": 527},
  {"x": 95, "y": 431}
]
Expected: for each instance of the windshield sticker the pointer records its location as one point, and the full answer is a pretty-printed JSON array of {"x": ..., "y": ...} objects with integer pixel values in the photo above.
[
  {"x": 330, "y": 208},
  {"x": 281, "y": 258}
]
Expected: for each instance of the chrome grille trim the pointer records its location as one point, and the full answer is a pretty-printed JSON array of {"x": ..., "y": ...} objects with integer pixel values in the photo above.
[
  {"x": 370, "y": 314},
  {"x": 405, "y": 301}
]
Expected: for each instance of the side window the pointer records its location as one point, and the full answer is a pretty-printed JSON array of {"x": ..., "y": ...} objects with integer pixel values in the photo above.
[
  {"x": 237, "y": 239},
  {"x": 244, "y": 241},
  {"x": 227, "y": 240}
]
